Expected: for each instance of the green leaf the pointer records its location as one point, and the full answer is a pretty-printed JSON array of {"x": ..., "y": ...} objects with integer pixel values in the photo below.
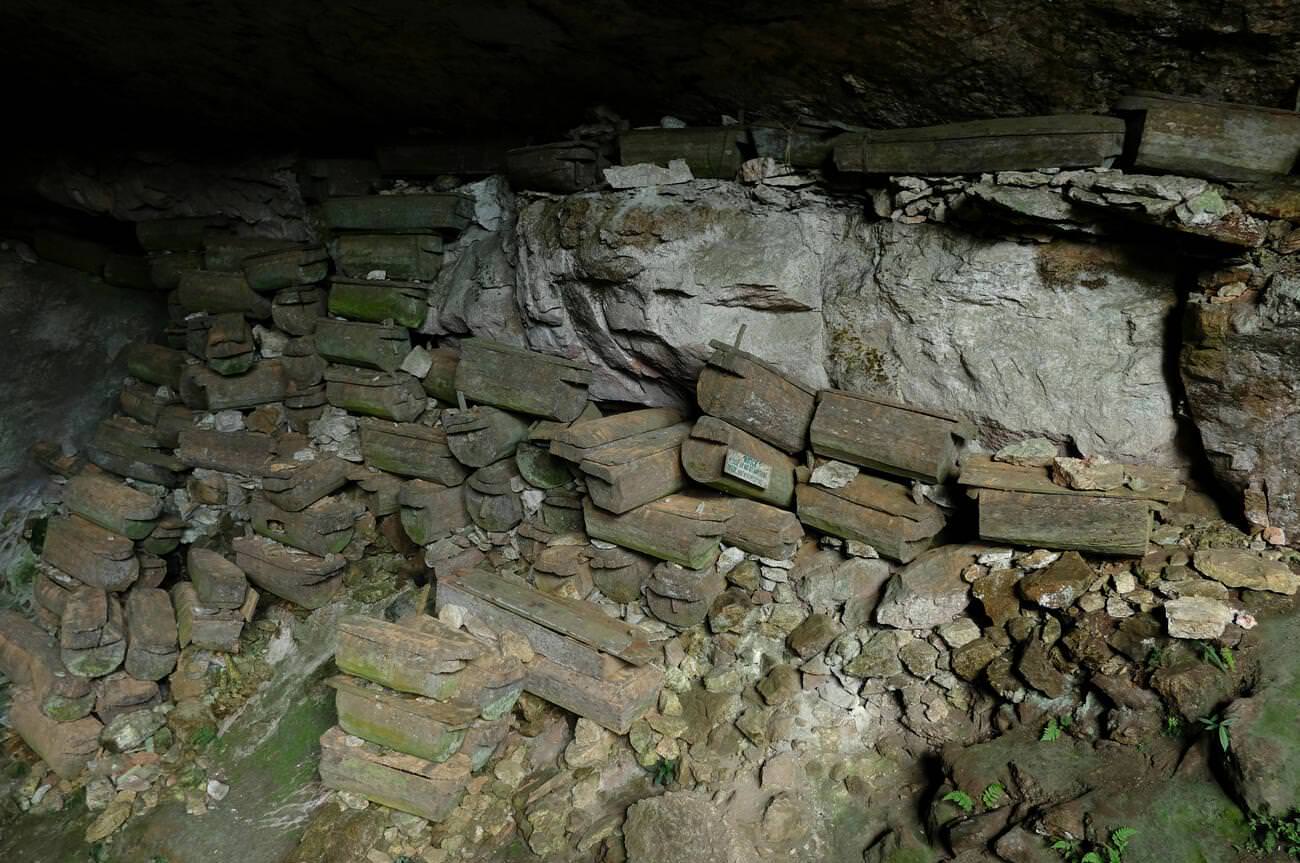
[
  {"x": 1067, "y": 720},
  {"x": 960, "y": 799},
  {"x": 1091, "y": 857},
  {"x": 1228, "y": 658},
  {"x": 992, "y": 795},
  {"x": 1223, "y": 736},
  {"x": 1121, "y": 835},
  {"x": 1051, "y": 732}
]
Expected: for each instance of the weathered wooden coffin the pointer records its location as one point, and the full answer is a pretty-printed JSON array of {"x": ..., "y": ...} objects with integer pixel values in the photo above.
[
  {"x": 410, "y": 449},
  {"x": 153, "y": 570},
  {"x": 403, "y": 723},
  {"x": 218, "y": 583},
  {"x": 297, "y": 576},
  {"x": 392, "y": 396},
  {"x": 482, "y": 435},
  {"x": 30, "y": 657},
  {"x": 613, "y": 703},
  {"x": 92, "y": 633},
  {"x": 132, "y": 449},
  {"x": 324, "y": 528},
  {"x": 176, "y": 235},
  {"x": 302, "y": 264},
  {"x": 90, "y": 554},
  {"x": 404, "y": 303},
  {"x": 212, "y": 292},
  {"x": 78, "y": 253},
  {"x": 491, "y": 497},
  {"x": 230, "y": 349},
  {"x": 804, "y": 146},
  {"x": 333, "y": 178},
  {"x": 719, "y": 455},
  {"x": 128, "y": 271},
  {"x": 294, "y": 486},
  {"x": 165, "y": 536},
  {"x": 764, "y": 530},
  {"x": 981, "y": 471},
  {"x": 624, "y": 474},
  {"x": 561, "y": 168},
  {"x": 112, "y": 505},
  {"x": 372, "y": 346},
  {"x": 225, "y": 252},
  {"x": 152, "y": 645},
  {"x": 887, "y": 436},
  {"x": 683, "y": 611},
  {"x": 203, "y": 626},
  {"x": 447, "y": 213},
  {"x": 756, "y": 397},
  {"x": 422, "y": 658},
  {"x": 423, "y": 788},
  {"x": 521, "y": 380},
  {"x": 50, "y": 591},
  {"x": 1003, "y": 144},
  {"x": 165, "y": 269},
  {"x": 247, "y": 453},
  {"x": 681, "y": 528},
  {"x": 67, "y": 747},
  {"x": 296, "y": 310},
  {"x": 575, "y": 441},
  {"x": 1218, "y": 140},
  {"x": 121, "y": 693},
  {"x": 440, "y": 382},
  {"x": 398, "y": 256},
  {"x": 562, "y": 569},
  {"x": 711, "y": 151},
  {"x": 541, "y": 469},
  {"x": 562, "y": 511},
  {"x": 204, "y": 389},
  {"x": 1103, "y": 525},
  {"x": 304, "y": 367},
  {"x": 155, "y": 364},
  {"x": 431, "y": 511},
  {"x": 876, "y": 511},
  {"x": 619, "y": 573},
  {"x": 382, "y": 490}
]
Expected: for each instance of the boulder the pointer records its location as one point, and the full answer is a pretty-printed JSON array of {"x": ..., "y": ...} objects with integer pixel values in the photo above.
[
  {"x": 929, "y": 591},
  {"x": 1238, "y": 567},
  {"x": 678, "y": 827}
]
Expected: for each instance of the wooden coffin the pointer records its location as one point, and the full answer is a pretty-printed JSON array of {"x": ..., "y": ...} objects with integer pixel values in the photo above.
[
  {"x": 92, "y": 633},
  {"x": 132, "y": 449},
  {"x": 324, "y": 528},
  {"x": 120, "y": 693},
  {"x": 1003, "y": 144},
  {"x": 50, "y": 590},
  {"x": 440, "y": 381},
  {"x": 218, "y": 583},
  {"x": 294, "y": 486},
  {"x": 764, "y": 530},
  {"x": 539, "y": 468},
  {"x": 67, "y": 747},
  {"x": 521, "y": 380},
  {"x": 153, "y": 570},
  {"x": 334, "y": 178},
  {"x": 204, "y": 389},
  {"x": 225, "y": 252},
  {"x": 112, "y": 505},
  {"x": 446, "y": 213},
  {"x": 155, "y": 364},
  {"x": 574, "y": 442},
  {"x": 212, "y": 292},
  {"x": 181, "y": 234},
  {"x": 876, "y": 511},
  {"x": 30, "y": 657},
  {"x": 296, "y": 310},
  {"x": 711, "y": 151},
  {"x": 423, "y": 657},
  {"x": 431, "y": 511},
  {"x": 203, "y": 626},
  {"x": 197, "y": 327},
  {"x": 156, "y": 406},
  {"x": 682, "y": 528},
  {"x": 562, "y": 511},
  {"x": 613, "y": 703},
  {"x": 981, "y": 471},
  {"x": 301, "y": 578},
  {"x": 1102, "y": 525},
  {"x": 165, "y": 269},
  {"x": 683, "y": 612},
  {"x": 887, "y": 436},
  {"x": 403, "y": 723},
  {"x": 128, "y": 271},
  {"x": 372, "y": 346},
  {"x": 246, "y": 453},
  {"x": 410, "y": 449},
  {"x": 619, "y": 574},
  {"x": 562, "y": 569},
  {"x": 624, "y": 474},
  {"x": 492, "y": 498},
  {"x": 303, "y": 366},
  {"x": 481, "y": 436},
  {"x": 302, "y": 264},
  {"x": 1218, "y": 140},
  {"x": 804, "y": 146},
  {"x": 392, "y": 396},
  {"x": 151, "y": 640},
  {"x": 404, "y": 303},
  {"x": 756, "y": 397},
  {"x": 408, "y": 784},
  {"x": 165, "y": 536},
  {"x": 561, "y": 168},
  {"x": 721, "y": 456},
  {"x": 382, "y": 490},
  {"x": 398, "y": 256},
  {"x": 90, "y": 554},
  {"x": 230, "y": 349}
]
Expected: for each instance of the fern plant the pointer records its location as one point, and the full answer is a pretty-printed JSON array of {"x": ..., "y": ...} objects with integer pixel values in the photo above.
[
  {"x": 961, "y": 800},
  {"x": 992, "y": 795},
  {"x": 1221, "y": 658},
  {"x": 1100, "y": 852},
  {"x": 1054, "y": 727},
  {"x": 665, "y": 771},
  {"x": 1275, "y": 834}
]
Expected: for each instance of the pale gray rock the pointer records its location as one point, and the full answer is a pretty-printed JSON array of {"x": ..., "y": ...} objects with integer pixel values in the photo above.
[
  {"x": 929, "y": 591},
  {"x": 1030, "y": 452},
  {"x": 678, "y": 827},
  {"x": 637, "y": 176},
  {"x": 1239, "y": 567},
  {"x": 1197, "y": 617}
]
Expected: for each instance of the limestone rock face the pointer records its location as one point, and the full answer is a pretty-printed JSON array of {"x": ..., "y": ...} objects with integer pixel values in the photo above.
[{"x": 679, "y": 827}]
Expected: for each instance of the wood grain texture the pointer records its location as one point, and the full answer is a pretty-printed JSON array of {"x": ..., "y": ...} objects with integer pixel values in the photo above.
[{"x": 1065, "y": 521}]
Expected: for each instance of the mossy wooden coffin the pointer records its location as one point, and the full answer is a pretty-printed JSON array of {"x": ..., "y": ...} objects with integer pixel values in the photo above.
[
  {"x": 521, "y": 380},
  {"x": 682, "y": 528},
  {"x": 398, "y": 256},
  {"x": 112, "y": 505},
  {"x": 388, "y": 395},
  {"x": 410, "y": 449},
  {"x": 756, "y": 397},
  {"x": 721, "y": 456},
  {"x": 404, "y": 303},
  {"x": 357, "y": 343},
  {"x": 306, "y": 579},
  {"x": 873, "y": 510}
]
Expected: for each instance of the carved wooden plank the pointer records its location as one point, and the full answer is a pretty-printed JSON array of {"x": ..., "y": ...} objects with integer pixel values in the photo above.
[
  {"x": 756, "y": 397},
  {"x": 218, "y": 583},
  {"x": 422, "y": 660},
  {"x": 980, "y": 471},
  {"x": 614, "y": 704},
  {"x": 1219, "y": 140},
  {"x": 399, "y": 256},
  {"x": 887, "y": 436},
  {"x": 705, "y": 455},
  {"x": 876, "y": 511},
  {"x": 765, "y": 530},
  {"x": 112, "y": 505},
  {"x": 1003, "y": 144},
  {"x": 403, "y": 782},
  {"x": 274, "y": 270},
  {"x": 324, "y": 528},
  {"x": 526, "y": 381},
  {"x": 482, "y": 435},
  {"x": 204, "y": 291},
  {"x": 682, "y": 528},
  {"x": 296, "y": 310},
  {"x": 562, "y": 168},
  {"x": 409, "y": 449},
  {"x": 392, "y": 396},
  {"x": 294, "y": 486},
  {"x": 448, "y": 212},
  {"x": 372, "y": 346},
  {"x": 636, "y": 470},
  {"x": 396, "y": 721},
  {"x": 709, "y": 151},
  {"x": 302, "y": 578},
  {"x": 155, "y": 364},
  {"x": 576, "y": 440},
  {"x": 404, "y": 303},
  {"x": 246, "y": 453},
  {"x": 204, "y": 389},
  {"x": 431, "y": 511},
  {"x": 1065, "y": 521},
  {"x": 90, "y": 554},
  {"x": 132, "y": 449}
]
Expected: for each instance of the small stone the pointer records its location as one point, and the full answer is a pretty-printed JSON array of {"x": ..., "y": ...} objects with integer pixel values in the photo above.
[
  {"x": 99, "y": 794},
  {"x": 834, "y": 474},
  {"x": 1118, "y": 608},
  {"x": 879, "y": 657},
  {"x": 217, "y": 790},
  {"x": 996, "y": 559},
  {"x": 111, "y": 819},
  {"x": 1091, "y": 602},
  {"x": 1039, "y": 559},
  {"x": 745, "y": 575},
  {"x": 813, "y": 635},
  {"x": 1197, "y": 617},
  {"x": 854, "y": 548},
  {"x": 1031, "y": 452},
  {"x": 515, "y": 645},
  {"x": 723, "y": 680},
  {"x": 729, "y": 559},
  {"x": 780, "y": 685},
  {"x": 1274, "y": 535},
  {"x": 996, "y": 593},
  {"x": 417, "y": 362},
  {"x": 919, "y": 657},
  {"x": 129, "y": 731},
  {"x": 1124, "y": 582},
  {"x": 228, "y": 421},
  {"x": 642, "y": 175},
  {"x": 960, "y": 632},
  {"x": 1059, "y": 585},
  {"x": 1239, "y": 568},
  {"x": 590, "y": 746},
  {"x": 971, "y": 659}
]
